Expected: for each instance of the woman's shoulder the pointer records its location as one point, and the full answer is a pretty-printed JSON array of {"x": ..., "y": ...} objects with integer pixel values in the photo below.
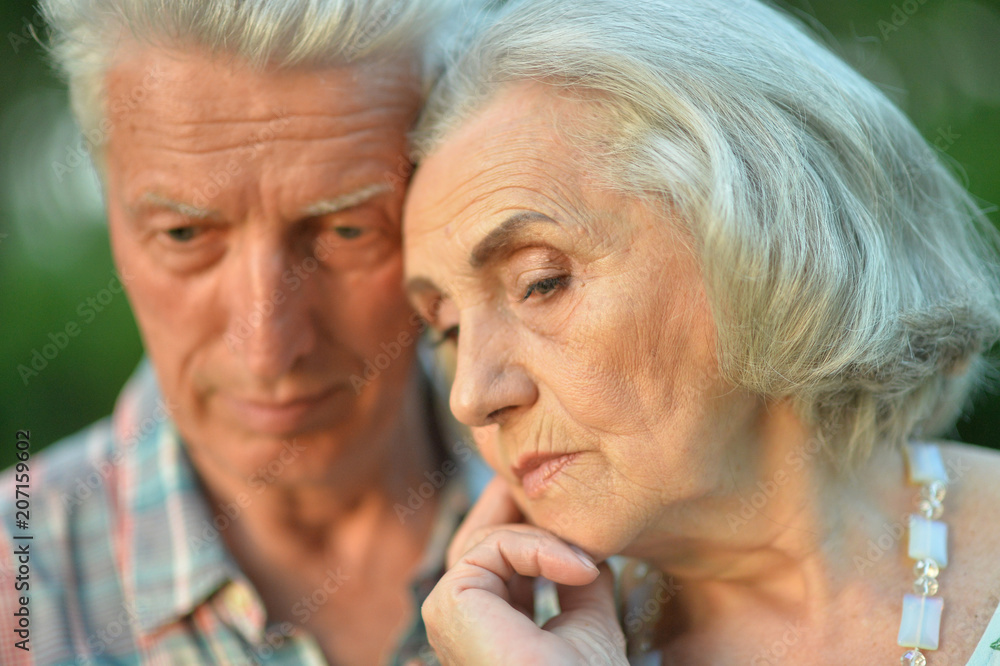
[
  {"x": 971, "y": 582},
  {"x": 973, "y": 484},
  {"x": 972, "y": 511},
  {"x": 972, "y": 452}
]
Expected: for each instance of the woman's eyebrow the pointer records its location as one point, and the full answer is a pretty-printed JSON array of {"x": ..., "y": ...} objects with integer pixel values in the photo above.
[
  {"x": 498, "y": 243},
  {"x": 418, "y": 289},
  {"x": 501, "y": 241},
  {"x": 416, "y": 285}
]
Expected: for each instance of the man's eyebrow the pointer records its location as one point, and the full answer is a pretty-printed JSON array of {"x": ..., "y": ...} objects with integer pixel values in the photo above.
[
  {"x": 499, "y": 242},
  {"x": 345, "y": 201},
  {"x": 323, "y": 207},
  {"x": 187, "y": 210}
]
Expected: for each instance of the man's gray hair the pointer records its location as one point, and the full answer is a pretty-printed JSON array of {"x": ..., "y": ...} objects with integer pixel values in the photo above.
[
  {"x": 85, "y": 34},
  {"x": 846, "y": 267}
]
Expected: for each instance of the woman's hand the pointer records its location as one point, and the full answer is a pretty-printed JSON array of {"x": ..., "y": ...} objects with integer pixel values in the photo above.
[{"x": 480, "y": 611}]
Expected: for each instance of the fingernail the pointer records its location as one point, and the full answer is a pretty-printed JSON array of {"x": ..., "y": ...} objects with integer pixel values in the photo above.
[{"x": 586, "y": 559}]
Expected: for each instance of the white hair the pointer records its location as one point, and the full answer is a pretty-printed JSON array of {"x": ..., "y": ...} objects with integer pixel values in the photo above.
[
  {"x": 846, "y": 267},
  {"x": 85, "y": 34}
]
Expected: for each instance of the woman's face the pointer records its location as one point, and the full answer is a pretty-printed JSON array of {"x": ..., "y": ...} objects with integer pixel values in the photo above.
[{"x": 585, "y": 346}]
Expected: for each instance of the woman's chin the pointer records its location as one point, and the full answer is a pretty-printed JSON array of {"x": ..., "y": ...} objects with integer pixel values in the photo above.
[{"x": 600, "y": 540}]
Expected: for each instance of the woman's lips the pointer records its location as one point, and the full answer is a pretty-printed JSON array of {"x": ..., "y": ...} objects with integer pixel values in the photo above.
[{"x": 536, "y": 473}]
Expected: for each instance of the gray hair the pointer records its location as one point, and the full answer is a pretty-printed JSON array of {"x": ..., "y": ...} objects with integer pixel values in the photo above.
[
  {"x": 85, "y": 34},
  {"x": 846, "y": 268}
]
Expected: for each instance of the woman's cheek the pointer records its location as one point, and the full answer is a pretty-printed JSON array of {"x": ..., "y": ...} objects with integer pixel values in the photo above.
[{"x": 486, "y": 443}]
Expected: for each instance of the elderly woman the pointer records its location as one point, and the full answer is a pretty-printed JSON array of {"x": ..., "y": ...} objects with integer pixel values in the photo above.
[{"x": 713, "y": 299}]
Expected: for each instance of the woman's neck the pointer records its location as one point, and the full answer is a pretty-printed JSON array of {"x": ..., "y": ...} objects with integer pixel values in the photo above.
[{"x": 786, "y": 532}]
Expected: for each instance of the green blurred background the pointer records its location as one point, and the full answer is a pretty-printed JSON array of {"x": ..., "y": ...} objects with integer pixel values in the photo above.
[{"x": 938, "y": 59}]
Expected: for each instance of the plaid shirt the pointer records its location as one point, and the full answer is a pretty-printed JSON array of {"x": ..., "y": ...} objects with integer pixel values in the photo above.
[{"x": 127, "y": 566}]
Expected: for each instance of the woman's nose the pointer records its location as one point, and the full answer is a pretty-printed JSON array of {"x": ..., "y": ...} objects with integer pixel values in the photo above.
[{"x": 491, "y": 384}]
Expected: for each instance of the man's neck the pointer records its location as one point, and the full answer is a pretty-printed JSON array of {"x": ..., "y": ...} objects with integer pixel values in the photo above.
[
  {"x": 335, "y": 559},
  {"x": 342, "y": 519}
]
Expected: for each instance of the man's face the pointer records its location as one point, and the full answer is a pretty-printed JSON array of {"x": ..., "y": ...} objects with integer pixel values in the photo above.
[{"x": 256, "y": 217}]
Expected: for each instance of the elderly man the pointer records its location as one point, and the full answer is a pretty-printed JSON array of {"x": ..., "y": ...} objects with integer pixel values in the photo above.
[{"x": 273, "y": 485}]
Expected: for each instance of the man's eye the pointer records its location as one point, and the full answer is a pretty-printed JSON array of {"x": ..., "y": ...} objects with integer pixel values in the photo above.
[
  {"x": 546, "y": 286},
  {"x": 348, "y": 232},
  {"x": 182, "y": 234}
]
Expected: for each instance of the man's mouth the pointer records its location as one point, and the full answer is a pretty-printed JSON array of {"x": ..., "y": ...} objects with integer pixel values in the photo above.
[{"x": 279, "y": 417}]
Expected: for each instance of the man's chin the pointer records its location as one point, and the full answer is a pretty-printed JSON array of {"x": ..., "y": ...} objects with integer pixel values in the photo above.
[{"x": 259, "y": 460}]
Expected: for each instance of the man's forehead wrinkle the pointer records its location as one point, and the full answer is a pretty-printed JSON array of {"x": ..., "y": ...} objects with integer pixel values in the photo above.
[
  {"x": 317, "y": 147},
  {"x": 180, "y": 101},
  {"x": 201, "y": 150},
  {"x": 337, "y": 110},
  {"x": 194, "y": 64},
  {"x": 283, "y": 122}
]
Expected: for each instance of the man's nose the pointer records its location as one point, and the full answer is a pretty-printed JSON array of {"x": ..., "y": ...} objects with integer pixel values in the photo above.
[
  {"x": 270, "y": 323},
  {"x": 490, "y": 385}
]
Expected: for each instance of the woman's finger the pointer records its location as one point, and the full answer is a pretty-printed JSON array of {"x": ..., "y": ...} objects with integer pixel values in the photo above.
[
  {"x": 494, "y": 507},
  {"x": 594, "y": 601},
  {"x": 469, "y": 614},
  {"x": 529, "y": 551},
  {"x": 522, "y": 594},
  {"x": 589, "y": 617}
]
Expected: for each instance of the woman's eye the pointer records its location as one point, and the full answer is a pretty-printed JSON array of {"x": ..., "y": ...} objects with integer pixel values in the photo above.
[
  {"x": 348, "y": 232},
  {"x": 449, "y": 334},
  {"x": 182, "y": 234},
  {"x": 546, "y": 286}
]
